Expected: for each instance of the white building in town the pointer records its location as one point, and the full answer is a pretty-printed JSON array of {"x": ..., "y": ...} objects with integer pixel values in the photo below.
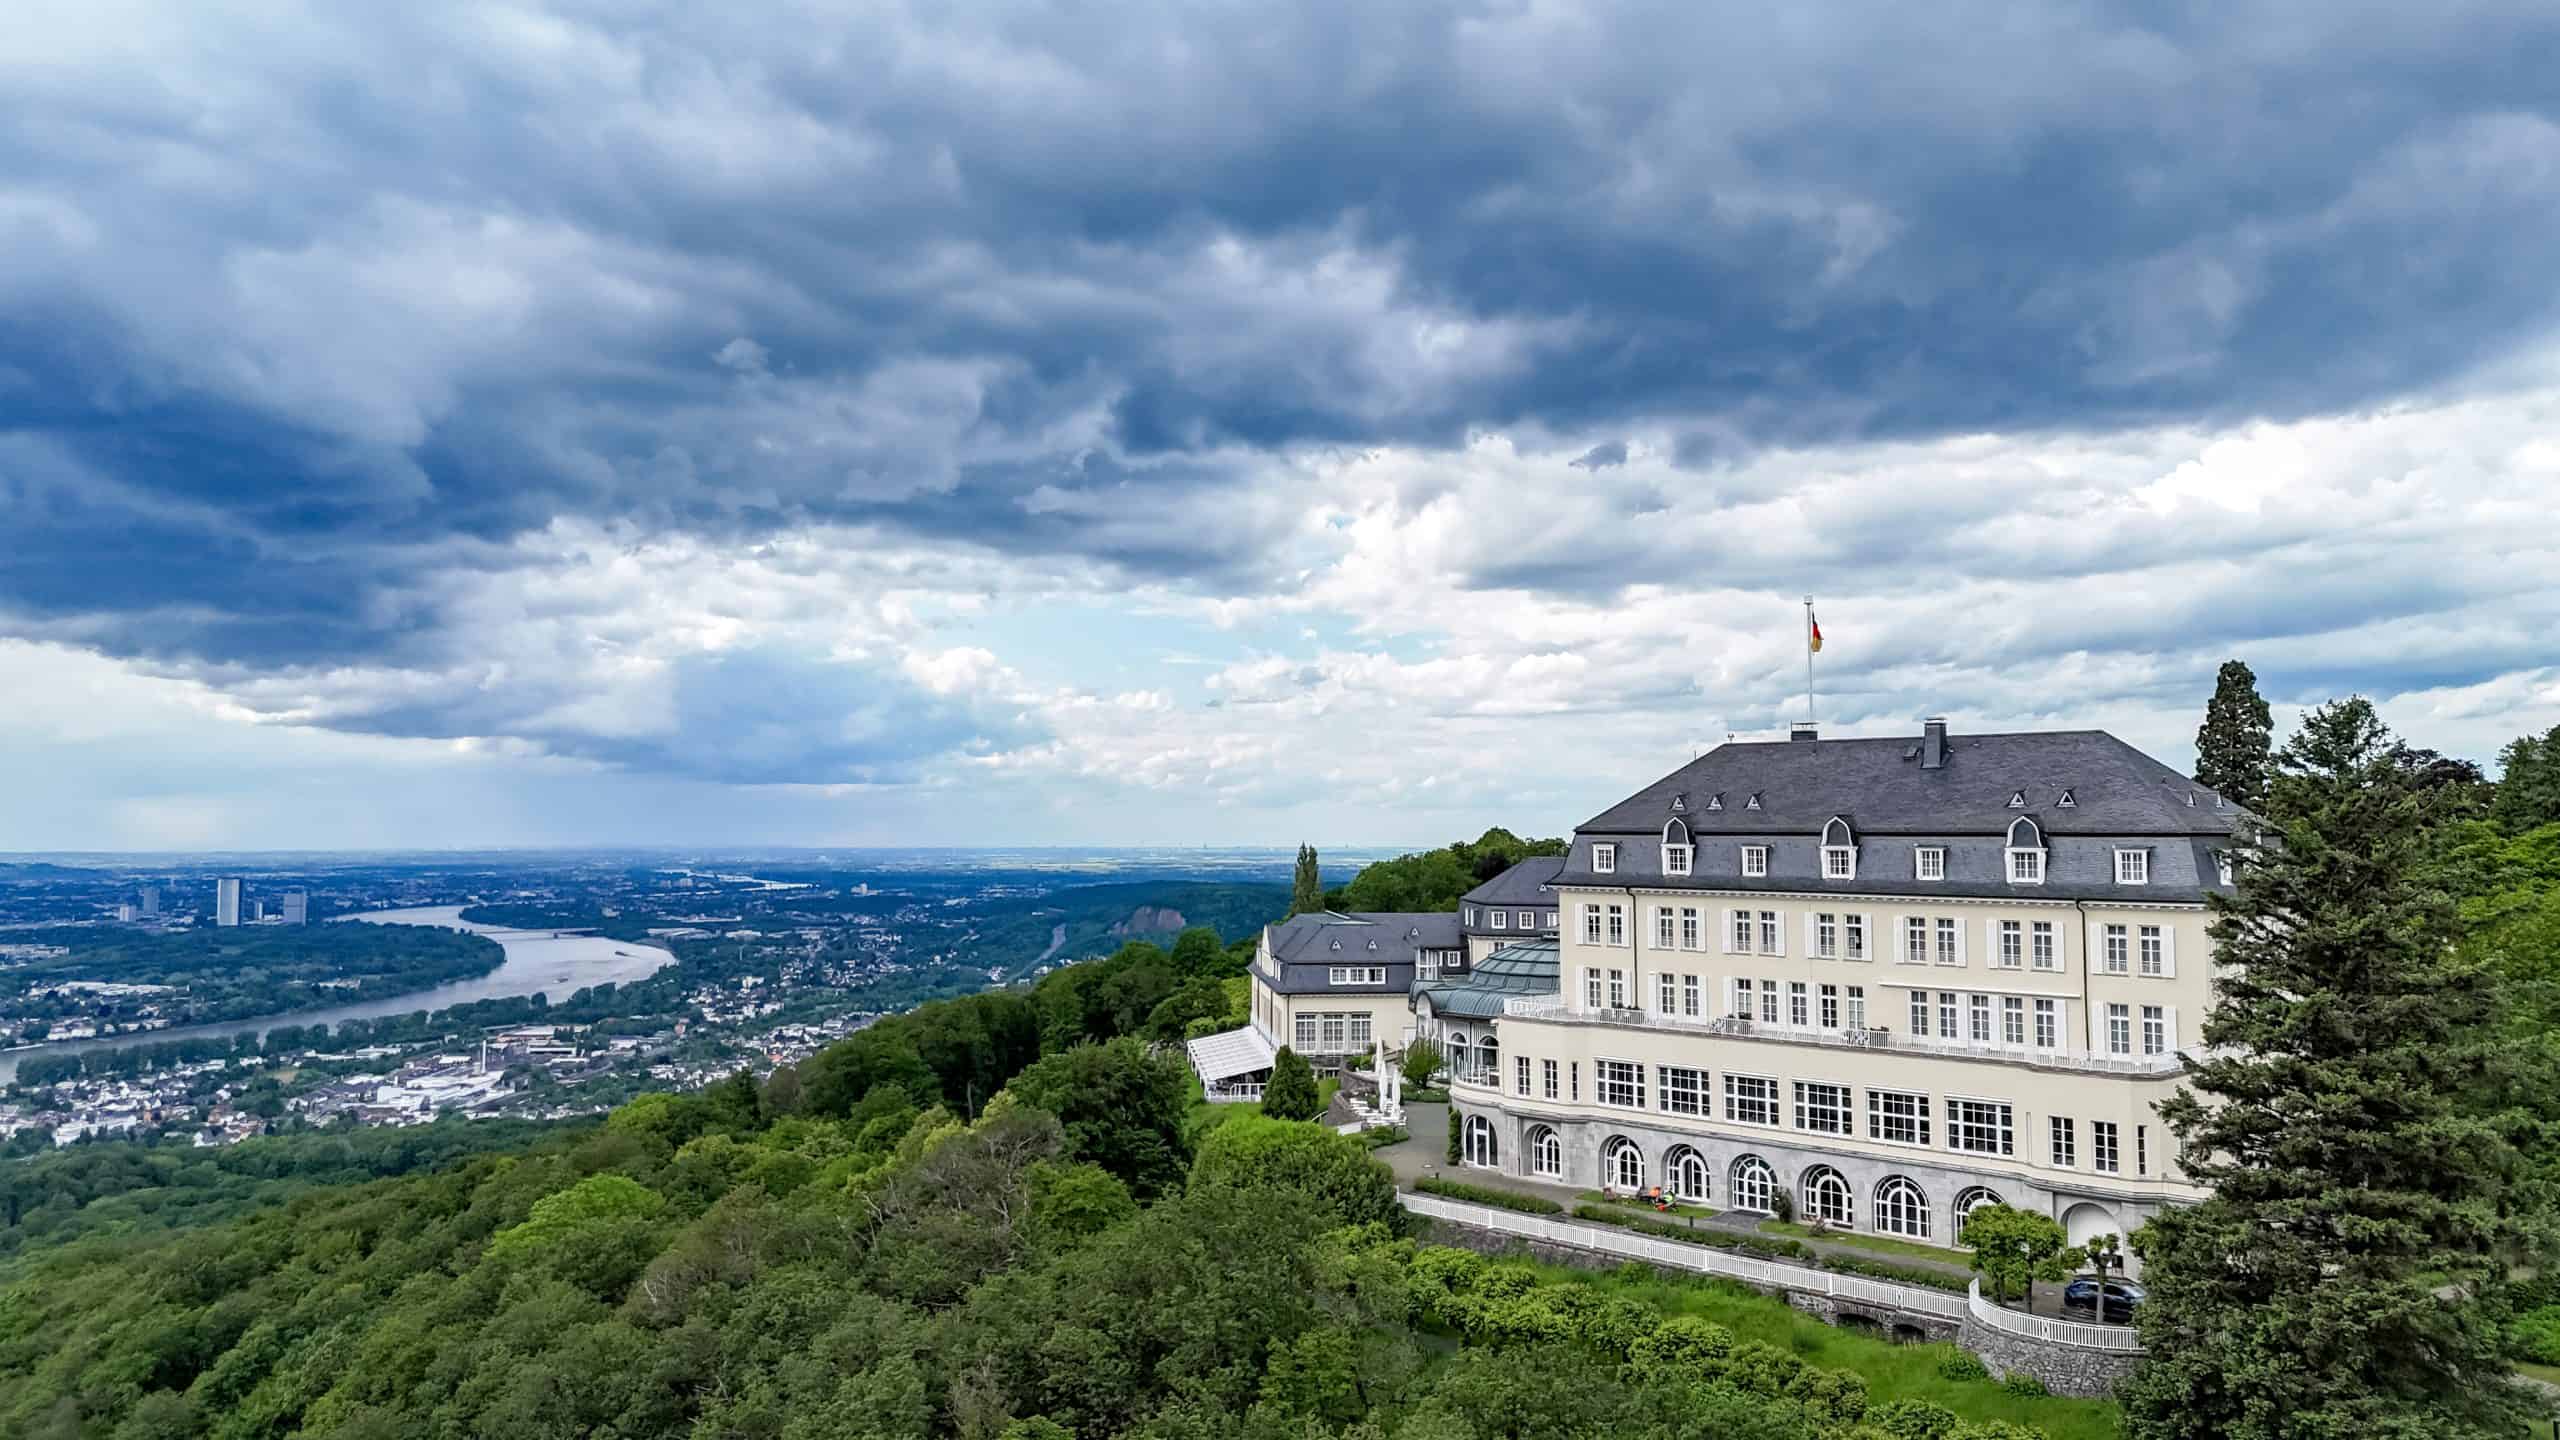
[{"x": 1891, "y": 979}]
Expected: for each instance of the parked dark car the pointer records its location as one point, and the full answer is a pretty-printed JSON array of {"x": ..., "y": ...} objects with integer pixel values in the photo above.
[{"x": 2123, "y": 1296}]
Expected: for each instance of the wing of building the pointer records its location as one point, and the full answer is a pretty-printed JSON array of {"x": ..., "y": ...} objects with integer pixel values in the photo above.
[{"x": 1890, "y": 979}]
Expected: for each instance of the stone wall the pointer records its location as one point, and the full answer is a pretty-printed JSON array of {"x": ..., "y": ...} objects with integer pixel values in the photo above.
[{"x": 2064, "y": 1369}]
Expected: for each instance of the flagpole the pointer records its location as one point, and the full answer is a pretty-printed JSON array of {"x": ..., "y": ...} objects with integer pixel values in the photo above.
[{"x": 1810, "y": 717}]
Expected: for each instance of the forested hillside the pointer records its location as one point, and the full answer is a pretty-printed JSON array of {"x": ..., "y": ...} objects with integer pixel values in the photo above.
[{"x": 1435, "y": 879}]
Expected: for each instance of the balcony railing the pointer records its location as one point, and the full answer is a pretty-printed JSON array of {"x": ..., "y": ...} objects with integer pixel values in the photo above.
[
  {"x": 2053, "y": 1332},
  {"x": 1736, "y": 1027}
]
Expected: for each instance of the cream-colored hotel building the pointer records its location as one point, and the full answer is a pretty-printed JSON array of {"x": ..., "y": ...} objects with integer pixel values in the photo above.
[{"x": 1891, "y": 979}]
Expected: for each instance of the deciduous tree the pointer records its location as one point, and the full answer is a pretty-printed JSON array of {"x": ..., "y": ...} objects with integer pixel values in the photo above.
[{"x": 2014, "y": 1248}]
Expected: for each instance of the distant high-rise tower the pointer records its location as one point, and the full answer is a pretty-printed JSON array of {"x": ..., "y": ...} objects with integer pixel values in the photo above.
[
  {"x": 150, "y": 899},
  {"x": 297, "y": 908},
  {"x": 127, "y": 913},
  {"x": 226, "y": 901}
]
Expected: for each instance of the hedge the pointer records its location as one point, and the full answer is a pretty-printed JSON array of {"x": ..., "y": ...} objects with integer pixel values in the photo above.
[
  {"x": 1486, "y": 1195},
  {"x": 1764, "y": 1248}
]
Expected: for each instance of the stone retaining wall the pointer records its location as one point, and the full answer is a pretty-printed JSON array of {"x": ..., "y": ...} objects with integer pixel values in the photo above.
[{"x": 2064, "y": 1369}]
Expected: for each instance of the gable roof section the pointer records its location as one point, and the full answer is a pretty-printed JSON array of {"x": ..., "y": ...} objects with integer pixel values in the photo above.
[
  {"x": 1522, "y": 884},
  {"x": 1309, "y": 939},
  {"x": 1882, "y": 788}
]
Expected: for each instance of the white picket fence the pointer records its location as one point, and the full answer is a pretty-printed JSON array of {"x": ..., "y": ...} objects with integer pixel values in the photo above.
[{"x": 2120, "y": 1338}]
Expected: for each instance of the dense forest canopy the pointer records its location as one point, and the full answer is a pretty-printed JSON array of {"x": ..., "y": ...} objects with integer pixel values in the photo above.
[{"x": 1436, "y": 879}]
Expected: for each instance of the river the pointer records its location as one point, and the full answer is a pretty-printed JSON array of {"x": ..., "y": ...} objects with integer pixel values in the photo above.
[{"x": 537, "y": 961}]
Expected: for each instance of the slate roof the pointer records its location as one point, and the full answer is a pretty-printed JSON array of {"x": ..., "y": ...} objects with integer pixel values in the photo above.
[
  {"x": 2120, "y": 798},
  {"x": 1304, "y": 947},
  {"x": 1522, "y": 884},
  {"x": 1882, "y": 788},
  {"x": 1524, "y": 967}
]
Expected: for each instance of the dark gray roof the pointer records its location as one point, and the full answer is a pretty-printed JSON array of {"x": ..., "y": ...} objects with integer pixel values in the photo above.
[
  {"x": 1305, "y": 947},
  {"x": 1894, "y": 806},
  {"x": 1882, "y": 788},
  {"x": 1524, "y": 967},
  {"x": 1522, "y": 884}
]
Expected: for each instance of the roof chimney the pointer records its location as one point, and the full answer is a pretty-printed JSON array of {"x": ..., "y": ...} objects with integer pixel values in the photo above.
[
  {"x": 1933, "y": 742},
  {"x": 1803, "y": 730}
]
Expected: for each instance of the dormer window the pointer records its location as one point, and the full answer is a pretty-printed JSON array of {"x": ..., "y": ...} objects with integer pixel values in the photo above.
[
  {"x": 1679, "y": 803},
  {"x": 1373, "y": 944},
  {"x": 2064, "y": 800},
  {"x": 2222, "y": 864},
  {"x": 2017, "y": 799},
  {"x": 1839, "y": 851},
  {"x": 1337, "y": 944},
  {"x": 2026, "y": 852},
  {"x": 1929, "y": 862},
  {"x": 1675, "y": 859},
  {"x": 1716, "y": 801},
  {"x": 1604, "y": 859},
  {"x": 1755, "y": 860},
  {"x": 1753, "y": 803},
  {"x": 1501, "y": 919},
  {"x": 1471, "y": 917},
  {"x": 2133, "y": 867}
]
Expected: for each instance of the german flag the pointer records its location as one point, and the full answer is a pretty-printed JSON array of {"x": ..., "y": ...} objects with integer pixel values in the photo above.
[{"x": 1815, "y": 640}]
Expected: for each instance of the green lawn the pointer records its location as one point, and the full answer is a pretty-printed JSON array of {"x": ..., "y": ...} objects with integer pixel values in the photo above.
[
  {"x": 1880, "y": 1244},
  {"x": 1894, "y": 1372},
  {"x": 2549, "y": 1374}
]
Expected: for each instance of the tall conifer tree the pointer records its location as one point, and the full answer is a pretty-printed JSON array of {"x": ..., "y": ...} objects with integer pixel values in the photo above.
[
  {"x": 2340, "y": 1119},
  {"x": 2232, "y": 744},
  {"x": 1306, "y": 891},
  {"x": 2528, "y": 794}
]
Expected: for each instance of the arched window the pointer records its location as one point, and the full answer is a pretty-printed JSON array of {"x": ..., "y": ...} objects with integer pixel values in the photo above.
[
  {"x": 1488, "y": 1063},
  {"x": 1482, "y": 1148},
  {"x": 1971, "y": 1199},
  {"x": 1685, "y": 1171},
  {"x": 1755, "y": 1185},
  {"x": 1901, "y": 1209},
  {"x": 1676, "y": 849},
  {"x": 1826, "y": 1196},
  {"x": 1546, "y": 1152},
  {"x": 1622, "y": 1164},
  {"x": 2026, "y": 852},
  {"x": 1458, "y": 1058},
  {"x": 1839, "y": 851}
]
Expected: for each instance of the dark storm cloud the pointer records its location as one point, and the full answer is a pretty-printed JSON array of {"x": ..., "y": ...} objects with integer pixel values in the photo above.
[{"x": 294, "y": 316}]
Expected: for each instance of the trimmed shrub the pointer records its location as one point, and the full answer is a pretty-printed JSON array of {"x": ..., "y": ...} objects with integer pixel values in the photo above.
[
  {"x": 1487, "y": 1195},
  {"x": 1914, "y": 1420},
  {"x": 1453, "y": 1135},
  {"x": 1962, "y": 1365},
  {"x": 2024, "y": 1385}
]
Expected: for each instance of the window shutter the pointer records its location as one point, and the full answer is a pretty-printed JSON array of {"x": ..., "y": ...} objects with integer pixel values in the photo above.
[
  {"x": 2096, "y": 953},
  {"x": 1782, "y": 932},
  {"x": 1727, "y": 928},
  {"x": 2169, "y": 1014},
  {"x": 1961, "y": 927},
  {"x": 1991, "y": 943},
  {"x": 2168, "y": 948}
]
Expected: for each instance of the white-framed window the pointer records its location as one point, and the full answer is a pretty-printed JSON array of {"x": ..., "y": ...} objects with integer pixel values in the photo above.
[
  {"x": 2155, "y": 1030},
  {"x": 1497, "y": 919},
  {"x": 1979, "y": 1127},
  {"x": 1857, "y": 1007},
  {"x": 2133, "y": 867},
  {"x": 2115, "y": 952},
  {"x": 1823, "y": 1108},
  {"x": 1950, "y": 941},
  {"x": 2141, "y": 1149},
  {"x": 1662, "y": 927},
  {"x": 1546, "y": 1153},
  {"x": 1356, "y": 975},
  {"x": 1616, "y": 916},
  {"x": 1684, "y": 1091},
  {"x": 1854, "y": 937},
  {"x": 1547, "y": 1075},
  {"x": 1590, "y": 989},
  {"x": 1689, "y": 998},
  {"x": 1915, "y": 939},
  {"x": 1619, "y": 1083},
  {"x": 1768, "y": 1002},
  {"x": 1755, "y": 860},
  {"x": 1750, "y": 1099},
  {"x": 2013, "y": 1020},
  {"x": 1839, "y": 862},
  {"x": 1667, "y": 991},
  {"x": 2048, "y": 1025},
  {"x": 1690, "y": 939},
  {"x": 1755, "y": 1185},
  {"x": 1826, "y": 935},
  {"x": 1798, "y": 999},
  {"x": 1901, "y": 1116},
  {"x": 1617, "y": 989},
  {"x": 1826, "y": 1197},
  {"x": 1471, "y": 917},
  {"x": 1604, "y": 859},
  {"x": 1830, "y": 1010},
  {"x": 1901, "y": 1209},
  {"x": 2065, "y": 1145},
  {"x": 1741, "y": 999},
  {"x": 1590, "y": 924},
  {"x": 2013, "y": 945},
  {"x": 1738, "y": 937},
  {"x": 1520, "y": 1068},
  {"x": 1771, "y": 935},
  {"x": 1920, "y": 1014},
  {"x": 1307, "y": 1036},
  {"x": 2119, "y": 1030},
  {"x": 1946, "y": 1014},
  {"x": 2041, "y": 946},
  {"x": 1929, "y": 862},
  {"x": 2026, "y": 867},
  {"x": 1551, "y": 919},
  {"x": 2222, "y": 867},
  {"x": 2151, "y": 950},
  {"x": 1675, "y": 859},
  {"x": 1978, "y": 1019},
  {"x": 2102, "y": 1147}
]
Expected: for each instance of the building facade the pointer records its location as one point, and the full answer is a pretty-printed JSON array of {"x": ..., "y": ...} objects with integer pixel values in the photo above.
[
  {"x": 1518, "y": 904},
  {"x": 1332, "y": 985},
  {"x": 226, "y": 901},
  {"x": 1887, "y": 979}
]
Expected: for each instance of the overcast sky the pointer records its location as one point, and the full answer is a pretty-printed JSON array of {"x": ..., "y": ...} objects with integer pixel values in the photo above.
[{"x": 507, "y": 423}]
